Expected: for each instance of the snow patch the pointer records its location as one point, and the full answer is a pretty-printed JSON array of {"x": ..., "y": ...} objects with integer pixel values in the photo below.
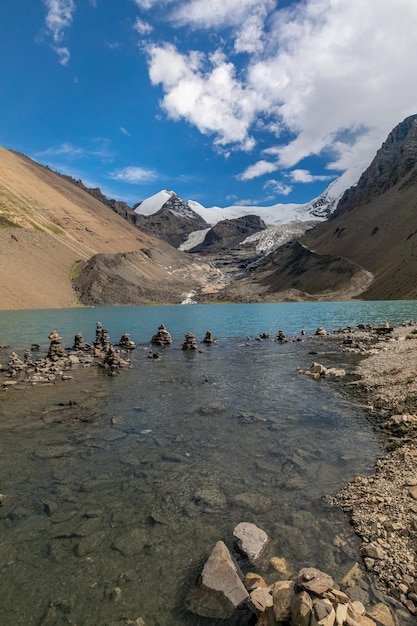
[{"x": 194, "y": 239}]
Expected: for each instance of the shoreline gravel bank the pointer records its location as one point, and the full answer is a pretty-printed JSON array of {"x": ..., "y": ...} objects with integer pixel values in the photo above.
[{"x": 383, "y": 507}]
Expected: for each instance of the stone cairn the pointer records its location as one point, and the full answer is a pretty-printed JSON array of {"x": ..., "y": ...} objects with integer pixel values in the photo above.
[
  {"x": 102, "y": 340},
  {"x": 113, "y": 361},
  {"x": 126, "y": 342},
  {"x": 27, "y": 358},
  {"x": 209, "y": 339},
  {"x": 281, "y": 337},
  {"x": 79, "y": 344},
  {"x": 190, "y": 342},
  {"x": 15, "y": 364},
  {"x": 56, "y": 351},
  {"x": 161, "y": 337},
  {"x": 309, "y": 599}
]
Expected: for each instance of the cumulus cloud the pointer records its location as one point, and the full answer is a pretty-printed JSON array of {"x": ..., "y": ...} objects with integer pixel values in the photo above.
[
  {"x": 333, "y": 77},
  {"x": 134, "y": 175},
  {"x": 260, "y": 168},
  {"x": 203, "y": 14},
  {"x": 206, "y": 93}
]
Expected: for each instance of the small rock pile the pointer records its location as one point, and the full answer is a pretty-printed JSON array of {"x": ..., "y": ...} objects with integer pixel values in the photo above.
[
  {"x": 190, "y": 342},
  {"x": 102, "y": 340},
  {"x": 56, "y": 351},
  {"x": 126, "y": 342},
  {"x": 161, "y": 337},
  {"x": 309, "y": 599},
  {"x": 209, "y": 339},
  {"x": 318, "y": 371},
  {"x": 79, "y": 344},
  {"x": 58, "y": 360},
  {"x": 281, "y": 337}
]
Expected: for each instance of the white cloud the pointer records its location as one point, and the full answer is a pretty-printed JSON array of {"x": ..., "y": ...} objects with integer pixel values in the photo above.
[
  {"x": 258, "y": 169},
  {"x": 214, "y": 13},
  {"x": 65, "y": 148},
  {"x": 329, "y": 77},
  {"x": 206, "y": 94},
  {"x": 59, "y": 17},
  {"x": 278, "y": 187},
  {"x": 141, "y": 27},
  {"x": 63, "y": 54},
  {"x": 124, "y": 131},
  {"x": 304, "y": 176},
  {"x": 134, "y": 175}
]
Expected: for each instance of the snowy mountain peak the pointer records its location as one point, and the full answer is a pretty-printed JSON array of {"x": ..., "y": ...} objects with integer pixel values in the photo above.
[
  {"x": 278, "y": 214},
  {"x": 154, "y": 203}
]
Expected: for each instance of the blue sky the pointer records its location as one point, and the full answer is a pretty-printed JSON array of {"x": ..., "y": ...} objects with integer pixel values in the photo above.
[{"x": 223, "y": 101}]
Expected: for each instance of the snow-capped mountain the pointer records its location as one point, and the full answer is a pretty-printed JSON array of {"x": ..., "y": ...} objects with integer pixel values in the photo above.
[{"x": 278, "y": 214}]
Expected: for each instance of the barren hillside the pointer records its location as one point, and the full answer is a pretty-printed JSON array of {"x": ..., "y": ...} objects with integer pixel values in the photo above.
[{"x": 50, "y": 228}]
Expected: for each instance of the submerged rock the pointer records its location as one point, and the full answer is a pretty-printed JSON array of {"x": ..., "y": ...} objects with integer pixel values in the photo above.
[{"x": 220, "y": 589}]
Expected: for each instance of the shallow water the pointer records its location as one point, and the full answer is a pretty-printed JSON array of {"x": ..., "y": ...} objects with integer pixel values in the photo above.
[
  {"x": 118, "y": 488},
  {"x": 113, "y": 502}
]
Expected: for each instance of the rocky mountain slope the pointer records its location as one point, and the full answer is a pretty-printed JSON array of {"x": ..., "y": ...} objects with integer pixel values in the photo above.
[
  {"x": 173, "y": 223},
  {"x": 369, "y": 243},
  {"x": 54, "y": 236}
]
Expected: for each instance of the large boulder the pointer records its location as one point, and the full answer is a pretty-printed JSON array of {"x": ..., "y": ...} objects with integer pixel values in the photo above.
[{"x": 220, "y": 589}]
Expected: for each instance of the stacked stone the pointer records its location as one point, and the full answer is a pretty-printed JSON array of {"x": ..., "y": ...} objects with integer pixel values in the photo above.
[
  {"x": 79, "y": 343},
  {"x": 190, "y": 342},
  {"x": 209, "y": 339},
  {"x": 113, "y": 361},
  {"x": 28, "y": 358},
  {"x": 126, "y": 342},
  {"x": 56, "y": 351},
  {"x": 161, "y": 337},
  {"x": 15, "y": 364},
  {"x": 102, "y": 340}
]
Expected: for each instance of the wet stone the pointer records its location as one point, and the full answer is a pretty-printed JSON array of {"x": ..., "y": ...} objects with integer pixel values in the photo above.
[
  {"x": 161, "y": 337},
  {"x": 250, "y": 540},
  {"x": 131, "y": 542},
  {"x": 220, "y": 589},
  {"x": 312, "y": 579},
  {"x": 190, "y": 342}
]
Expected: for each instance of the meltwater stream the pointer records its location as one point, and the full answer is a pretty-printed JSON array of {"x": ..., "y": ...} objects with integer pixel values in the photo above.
[{"x": 118, "y": 487}]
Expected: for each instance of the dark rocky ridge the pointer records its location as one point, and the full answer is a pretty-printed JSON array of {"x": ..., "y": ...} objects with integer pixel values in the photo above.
[
  {"x": 393, "y": 161},
  {"x": 172, "y": 223},
  {"x": 229, "y": 233}
]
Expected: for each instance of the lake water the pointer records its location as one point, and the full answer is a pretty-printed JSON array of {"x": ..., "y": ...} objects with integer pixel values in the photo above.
[{"x": 118, "y": 487}]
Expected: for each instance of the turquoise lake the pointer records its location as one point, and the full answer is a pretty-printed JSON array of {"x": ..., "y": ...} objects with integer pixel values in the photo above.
[{"x": 117, "y": 488}]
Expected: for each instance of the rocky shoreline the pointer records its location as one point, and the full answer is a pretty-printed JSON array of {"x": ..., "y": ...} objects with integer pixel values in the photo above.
[{"x": 383, "y": 507}]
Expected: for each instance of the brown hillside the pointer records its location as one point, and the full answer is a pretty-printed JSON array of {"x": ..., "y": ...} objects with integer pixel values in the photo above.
[
  {"x": 367, "y": 248},
  {"x": 381, "y": 236},
  {"x": 50, "y": 228}
]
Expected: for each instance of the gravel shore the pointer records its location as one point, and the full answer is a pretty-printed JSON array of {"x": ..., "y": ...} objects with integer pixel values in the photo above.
[{"x": 383, "y": 507}]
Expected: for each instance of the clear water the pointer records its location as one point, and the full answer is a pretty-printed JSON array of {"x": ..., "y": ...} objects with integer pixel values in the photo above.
[{"x": 118, "y": 488}]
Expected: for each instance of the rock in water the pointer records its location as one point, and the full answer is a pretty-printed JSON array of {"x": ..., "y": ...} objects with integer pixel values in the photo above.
[
  {"x": 220, "y": 589},
  {"x": 250, "y": 540}
]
